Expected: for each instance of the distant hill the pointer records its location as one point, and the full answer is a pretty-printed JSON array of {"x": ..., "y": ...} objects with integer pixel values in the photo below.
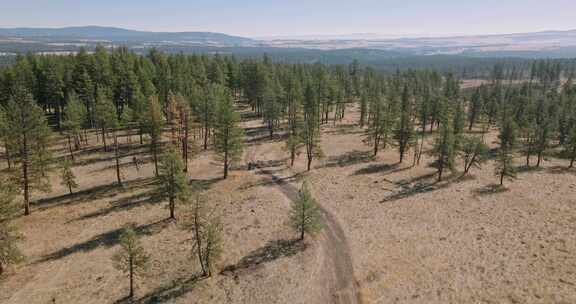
[
  {"x": 557, "y": 44},
  {"x": 372, "y": 48},
  {"x": 113, "y": 34}
]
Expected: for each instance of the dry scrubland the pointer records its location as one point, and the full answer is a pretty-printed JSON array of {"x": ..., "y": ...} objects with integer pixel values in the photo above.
[{"x": 408, "y": 238}]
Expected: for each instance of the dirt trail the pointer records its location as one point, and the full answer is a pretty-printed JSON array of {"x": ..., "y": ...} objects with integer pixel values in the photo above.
[
  {"x": 338, "y": 270},
  {"x": 338, "y": 266}
]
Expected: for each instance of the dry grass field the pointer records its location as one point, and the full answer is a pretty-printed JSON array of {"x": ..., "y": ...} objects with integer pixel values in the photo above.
[{"x": 392, "y": 234}]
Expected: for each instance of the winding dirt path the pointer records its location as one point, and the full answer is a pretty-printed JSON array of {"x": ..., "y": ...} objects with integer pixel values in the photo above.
[{"x": 338, "y": 267}]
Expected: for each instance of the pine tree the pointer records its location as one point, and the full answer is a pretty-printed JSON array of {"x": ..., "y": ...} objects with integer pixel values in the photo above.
[
  {"x": 507, "y": 141},
  {"x": 206, "y": 229},
  {"x": 30, "y": 135},
  {"x": 205, "y": 106},
  {"x": 444, "y": 146},
  {"x": 172, "y": 183},
  {"x": 153, "y": 126},
  {"x": 126, "y": 122},
  {"x": 295, "y": 120},
  {"x": 570, "y": 142},
  {"x": 404, "y": 133},
  {"x": 545, "y": 126},
  {"x": 67, "y": 176},
  {"x": 311, "y": 127},
  {"x": 132, "y": 259},
  {"x": 272, "y": 107},
  {"x": 305, "y": 215},
  {"x": 474, "y": 108},
  {"x": 74, "y": 120},
  {"x": 9, "y": 236},
  {"x": 5, "y": 137},
  {"x": 380, "y": 126},
  {"x": 474, "y": 152},
  {"x": 105, "y": 115},
  {"x": 228, "y": 135}
]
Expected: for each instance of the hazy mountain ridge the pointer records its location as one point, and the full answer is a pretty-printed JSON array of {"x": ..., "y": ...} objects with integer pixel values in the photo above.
[
  {"x": 114, "y": 34},
  {"x": 554, "y": 44}
]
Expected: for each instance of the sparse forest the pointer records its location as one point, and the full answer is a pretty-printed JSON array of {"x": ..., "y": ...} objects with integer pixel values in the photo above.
[{"x": 168, "y": 110}]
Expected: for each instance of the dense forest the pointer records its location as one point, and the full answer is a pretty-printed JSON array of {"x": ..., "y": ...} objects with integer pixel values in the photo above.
[{"x": 177, "y": 104}]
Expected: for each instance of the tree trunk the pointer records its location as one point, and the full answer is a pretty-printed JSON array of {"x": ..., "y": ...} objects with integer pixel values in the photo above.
[
  {"x": 421, "y": 145},
  {"x": 226, "y": 163},
  {"x": 25, "y": 175},
  {"x": 206, "y": 136},
  {"x": 8, "y": 159},
  {"x": 155, "y": 156},
  {"x": 440, "y": 171},
  {"x": 309, "y": 165},
  {"x": 573, "y": 158},
  {"x": 104, "y": 139},
  {"x": 302, "y": 221},
  {"x": 185, "y": 144},
  {"x": 131, "y": 295},
  {"x": 70, "y": 147},
  {"x": 172, "y": 216},
  {"x": 198, "y": 239},
  {"x": 117, "y": 154}
]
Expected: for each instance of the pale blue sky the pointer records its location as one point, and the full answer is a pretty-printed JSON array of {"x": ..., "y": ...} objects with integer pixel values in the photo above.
[{"x": 297, "y": 17}]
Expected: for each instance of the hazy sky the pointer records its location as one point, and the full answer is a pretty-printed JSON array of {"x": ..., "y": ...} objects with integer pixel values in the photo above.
[{"x": 297, "y": 17}]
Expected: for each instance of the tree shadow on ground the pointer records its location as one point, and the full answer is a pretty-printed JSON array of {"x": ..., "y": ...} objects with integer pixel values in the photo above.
[
  {"x": 380, "y": 168},
  {"x": 276, "y": 180},
  {"x": 204, "y": 184},
  {"x": 149, "y": 197},
  {"x": 255, "y": 141},
  {"x": 422, "y": 184},
  {"x": 561, "y": 170},
  {"x": 528, "y": 169},
  {"x": 126, "y": 163},
  {"x": 348, "y": 159},
  {"x": 348, "y": 129},
  {"x": 166, "y": 293},
  {"x": 91, "y": 194},
  {"x": 106, "y": 239},
  {"x": 272, "y": 251},
  {"x": 490, "y": 189}
]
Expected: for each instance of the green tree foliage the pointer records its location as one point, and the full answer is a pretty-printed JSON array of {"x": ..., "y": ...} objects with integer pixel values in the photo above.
[
  {"x": 206, "y": 229},
  {"x": 29, "y": 135},
  {"x": 106, "y": 116},
  {"x": 68, "y": 179},
  {"x": 404, "y": 132},
  {"x": 74, "y": 120},
  {"x": 131, "y": 259},
  {"x": 205, "y": 107},
  {"x": 311, "y": 127},
  {"x": 294, "y": 142},
  {"x": 474, "y": 152},
  {"x": 444, "y": 146},
  {"x": 153, "y": 126},
  {"x": 9, "y": 235},
  {"x": 305, "y": 215},
  {"x": 380, "y": 126},
  {"x": 172, "y": 183},
  {"x": 5, "y": 138},
  {"x": 505, "y": 160},
  {"x": 228, "y": 136}
]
